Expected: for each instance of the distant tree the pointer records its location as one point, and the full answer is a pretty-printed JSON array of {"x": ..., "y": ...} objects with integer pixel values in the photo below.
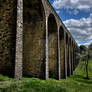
[
  {"x": 85, "y": 57},
  {"x": 83, "y": 49},
  {"x": 90, "y": 51},
  {"x": 90, "y": 47}
]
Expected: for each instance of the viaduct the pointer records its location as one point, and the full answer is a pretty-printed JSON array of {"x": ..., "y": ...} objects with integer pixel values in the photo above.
[{"x": 34, "y": 42}]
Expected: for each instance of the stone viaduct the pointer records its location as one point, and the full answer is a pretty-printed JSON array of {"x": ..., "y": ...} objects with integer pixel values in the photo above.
[{"x": 34, "y": 42}]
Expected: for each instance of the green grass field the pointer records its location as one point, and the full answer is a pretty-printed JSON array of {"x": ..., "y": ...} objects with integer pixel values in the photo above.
[{"x": 74, "y": 83}]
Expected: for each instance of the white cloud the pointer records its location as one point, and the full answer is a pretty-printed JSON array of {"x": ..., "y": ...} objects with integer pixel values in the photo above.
[
  {"x": 58, "y": 11},
  {"x": 81, "y": 29},
  {"x": 73, "y": 4}
]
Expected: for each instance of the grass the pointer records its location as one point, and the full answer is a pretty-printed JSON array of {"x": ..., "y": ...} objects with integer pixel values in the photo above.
[
  {"x": 74, "y": 83},
  {"x": 81, "y": 70}
]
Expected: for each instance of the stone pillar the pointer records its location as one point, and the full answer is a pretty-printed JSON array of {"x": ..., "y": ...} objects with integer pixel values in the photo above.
[
  {"x": 73, "y": 57},
  {"x": 59, "y": 75},
  {"x": 69, "y": 57},
  {"x": 46, "y": 62},
  {"x": 65, "y": 55},
  {"x": 19, "y": 41}
]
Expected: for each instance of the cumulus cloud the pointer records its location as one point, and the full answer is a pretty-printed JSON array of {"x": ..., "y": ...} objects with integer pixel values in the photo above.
[
  {"x": 80, "y": 29},
  {"x": 73, "y": 4}
]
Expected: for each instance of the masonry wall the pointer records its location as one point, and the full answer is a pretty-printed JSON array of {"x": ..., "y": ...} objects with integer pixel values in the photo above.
[
  {"x": 7, "y": 36},
  {"x": 34, "y": 39}
]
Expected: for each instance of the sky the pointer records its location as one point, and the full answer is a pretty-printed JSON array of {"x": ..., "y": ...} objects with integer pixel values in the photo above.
[{"x": 77, "y": 17}]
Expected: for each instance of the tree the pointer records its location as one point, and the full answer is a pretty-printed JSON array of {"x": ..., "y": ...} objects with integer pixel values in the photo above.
[
  {"x": 83, "y": 49},
  {"x": 86, "y": 54},
  {"x": 90, "y": 51},
  {"x": 90, "y": 47},
  {"x": 85, "y": 57}
]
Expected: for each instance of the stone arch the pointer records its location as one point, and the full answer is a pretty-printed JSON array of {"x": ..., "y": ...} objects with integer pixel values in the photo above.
[
  {"x": 52, "y": 46},
  {"x": 8, "y": 12},
  {"x": 34, "y": 39},
  {"x": 62, "y": 52}
]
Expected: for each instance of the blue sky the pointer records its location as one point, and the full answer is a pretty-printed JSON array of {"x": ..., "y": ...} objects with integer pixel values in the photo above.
[{"x": 77, "y": 16}]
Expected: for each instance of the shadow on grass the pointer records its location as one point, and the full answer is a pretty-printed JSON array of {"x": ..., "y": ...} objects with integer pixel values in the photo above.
[
  {"x": 82, "y": 79},
  {"x": 78, "y": 76}
]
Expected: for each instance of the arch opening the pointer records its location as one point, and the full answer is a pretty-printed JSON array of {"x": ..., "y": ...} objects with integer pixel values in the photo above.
[
  {"x": 34, "y": 39},
  {"x": 62, "y": 52},
  {"x": 52, "y": 46}
]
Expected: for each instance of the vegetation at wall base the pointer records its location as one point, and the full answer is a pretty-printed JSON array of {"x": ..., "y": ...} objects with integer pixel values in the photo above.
[{"x": 74, "y": 83}]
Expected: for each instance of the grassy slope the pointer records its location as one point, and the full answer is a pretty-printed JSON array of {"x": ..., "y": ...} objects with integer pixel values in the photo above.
[{"x": 75, "y": 83}]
